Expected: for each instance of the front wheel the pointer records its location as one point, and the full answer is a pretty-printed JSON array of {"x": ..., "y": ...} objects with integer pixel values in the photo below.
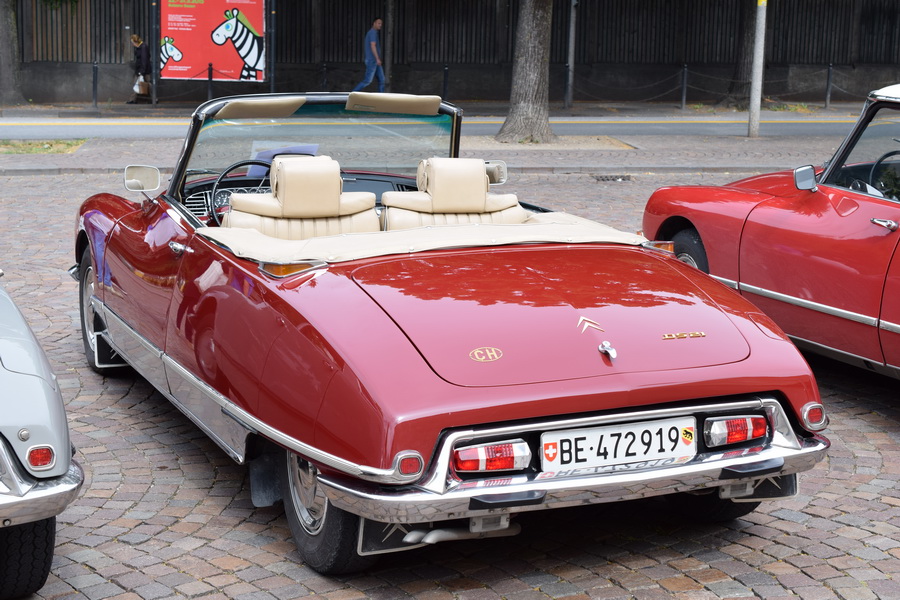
[
  {"x": 326, "y": 536},
  {"x": 689, "y": 249},
  {"x": 26, "y": 553},
  {"x": 708, "y": 507}
]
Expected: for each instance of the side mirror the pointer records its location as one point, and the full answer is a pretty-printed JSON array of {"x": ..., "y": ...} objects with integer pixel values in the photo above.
[
  {"x": 141, "y": 178},
  {"x": 805, "y": 178},
  {"x": 496, "y": 171}
]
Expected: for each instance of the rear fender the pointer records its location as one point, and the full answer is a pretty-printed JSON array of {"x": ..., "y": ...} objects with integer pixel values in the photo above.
[{"x": 717, "y": 213}]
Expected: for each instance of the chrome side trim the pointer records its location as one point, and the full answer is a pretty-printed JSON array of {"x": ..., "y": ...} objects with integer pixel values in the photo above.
[
  {"x": 846, "y": 357},
  {"x": 888, "y": 326},
  {"x": 729, "y": 282},
  {"x": 822, "y": 308},
  {"x": 228, "y": 424},
  {"x": 142, "y": 354}
]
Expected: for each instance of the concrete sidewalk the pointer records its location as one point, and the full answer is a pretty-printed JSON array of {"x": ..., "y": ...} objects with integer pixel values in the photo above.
[{"x": 596, "y": 154}]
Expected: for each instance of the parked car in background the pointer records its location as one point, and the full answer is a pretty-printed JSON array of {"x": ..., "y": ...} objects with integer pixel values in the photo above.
[
  {"x": 38, "y": 477},
  {"x": 404, "y": 355},
  {"x": 816, "y": 249}
]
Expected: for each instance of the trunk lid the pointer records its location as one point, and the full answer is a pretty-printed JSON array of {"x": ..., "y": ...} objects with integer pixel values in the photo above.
[{"x": 529, "y": 315}]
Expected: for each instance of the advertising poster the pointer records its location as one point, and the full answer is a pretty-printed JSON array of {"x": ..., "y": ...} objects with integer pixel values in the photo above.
[{"x": 230, "y": 34}]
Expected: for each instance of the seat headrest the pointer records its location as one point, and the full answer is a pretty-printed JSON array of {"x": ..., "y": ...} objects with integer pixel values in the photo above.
[
  {"x": 307, "y": 187},
  {"x": 456, "y": 185}
]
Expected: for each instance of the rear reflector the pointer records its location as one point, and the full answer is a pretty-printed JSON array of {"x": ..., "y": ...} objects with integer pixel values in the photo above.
[
  {"x": 722, "y": 431},
  {"x": 508, "y": 455},
  {"x": 410, "y": 465},
  {"x": 814, "y": 417},
  {"x": 41, "y": 457}
]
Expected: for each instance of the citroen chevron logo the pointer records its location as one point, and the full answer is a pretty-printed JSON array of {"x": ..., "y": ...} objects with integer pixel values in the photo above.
[{"x": 586, "y": 323}]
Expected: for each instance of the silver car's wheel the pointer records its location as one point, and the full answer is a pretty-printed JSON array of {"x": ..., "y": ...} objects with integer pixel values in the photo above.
[
  {"x": 26, "y": 554},
  {"x": 326, "y": 536}
]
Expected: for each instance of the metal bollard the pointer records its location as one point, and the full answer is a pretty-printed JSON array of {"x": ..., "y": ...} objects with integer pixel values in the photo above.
[
  {"x": 828, "y": 86},
  {"x": 95, "y": 76},
  {"x": 446, "y": 92},
  {"x": 684, "y": 76},
  {"x": 324, "y": 77},
  {"x": 209, "y": 91}
]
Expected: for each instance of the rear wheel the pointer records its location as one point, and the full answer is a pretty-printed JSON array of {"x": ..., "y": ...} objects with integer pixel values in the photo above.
[
  {"x": 26, "y": 553},
  {"x": 326, "y": 536},
  {"x": 709, "y": 508},
  {"x": 689, "y": 249}
]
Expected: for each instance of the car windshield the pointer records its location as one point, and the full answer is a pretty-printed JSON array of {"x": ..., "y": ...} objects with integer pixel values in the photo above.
[
  {"x": 873, "y": 164},
  {"x": 359, "y": 141}
]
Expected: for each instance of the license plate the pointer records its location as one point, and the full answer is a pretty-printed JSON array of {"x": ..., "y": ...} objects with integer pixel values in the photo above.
[{"x": 618, "y": 444}]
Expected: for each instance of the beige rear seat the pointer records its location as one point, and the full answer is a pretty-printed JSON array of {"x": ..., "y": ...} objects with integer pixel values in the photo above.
[
  {"x": 450, "y": 191},
  {"x": 306, "y": 201}
]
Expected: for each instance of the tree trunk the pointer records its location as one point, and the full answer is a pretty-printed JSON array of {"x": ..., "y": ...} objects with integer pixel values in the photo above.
[
  {"x": 529, "y": 102},
  {"x": 9, "y": 55},
  {"x": 739, "y": 89}
]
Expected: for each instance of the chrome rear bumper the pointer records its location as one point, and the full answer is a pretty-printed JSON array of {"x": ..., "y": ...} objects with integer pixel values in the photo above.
[{"x": 519, "y": 494}]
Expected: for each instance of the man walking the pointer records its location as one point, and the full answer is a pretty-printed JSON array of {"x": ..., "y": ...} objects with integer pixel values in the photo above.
[{"x": 372, "y": 53}]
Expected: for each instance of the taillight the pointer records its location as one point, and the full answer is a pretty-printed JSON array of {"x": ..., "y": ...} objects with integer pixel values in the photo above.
[
  {"x": 508, "y": 455},
  {"x": 814, "y": 417},
  {"x": 722, "y": 431},
  {"x": 41, "y": 457}
]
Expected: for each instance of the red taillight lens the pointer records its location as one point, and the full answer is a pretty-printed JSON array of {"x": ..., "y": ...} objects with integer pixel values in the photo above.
[
  {"x": 722, "y": 431},
  {"x": 41, "y": 457},
  {"x": 502, "y": 456}
]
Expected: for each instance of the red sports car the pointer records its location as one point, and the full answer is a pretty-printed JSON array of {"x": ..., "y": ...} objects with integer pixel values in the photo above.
[
  {"x": 816, "y": 248},
  {"x": 404, "y": 356}
]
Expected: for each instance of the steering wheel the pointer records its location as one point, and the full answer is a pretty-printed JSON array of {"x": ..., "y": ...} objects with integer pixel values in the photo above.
[
  {"x": 877, "y": 164},
  {"x": 224, "y": 174}
]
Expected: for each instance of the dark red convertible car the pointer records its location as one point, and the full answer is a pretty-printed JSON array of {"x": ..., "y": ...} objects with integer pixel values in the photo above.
[
  {"x": 816, "y": 248},
  {"x": 404, "y": 355}
]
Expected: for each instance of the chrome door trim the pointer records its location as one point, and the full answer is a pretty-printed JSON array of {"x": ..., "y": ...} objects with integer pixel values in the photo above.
[
  {"x": 888, "y": 326},
  {"x": 809, "y": 304},
  {"x": 730, "y": 283}
]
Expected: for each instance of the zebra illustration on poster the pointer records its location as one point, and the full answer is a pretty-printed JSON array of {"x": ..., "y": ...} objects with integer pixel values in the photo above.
[
  {"x": 167, "y": 50},
  {"x": 250, "y": 45}
]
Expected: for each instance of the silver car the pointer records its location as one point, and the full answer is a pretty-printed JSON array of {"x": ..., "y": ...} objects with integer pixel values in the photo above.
[{"x": 38, "y": 477}]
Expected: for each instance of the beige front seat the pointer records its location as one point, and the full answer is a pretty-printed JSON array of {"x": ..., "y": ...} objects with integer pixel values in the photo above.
[
  {"x": 306, "y": 201},
  {"x": 450, "y": 191}
]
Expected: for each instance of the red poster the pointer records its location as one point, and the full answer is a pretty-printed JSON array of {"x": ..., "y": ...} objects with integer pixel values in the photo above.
[{"x": 230, "y": 34}]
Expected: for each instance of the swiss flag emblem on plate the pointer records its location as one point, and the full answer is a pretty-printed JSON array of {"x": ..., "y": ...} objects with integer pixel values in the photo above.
[{"x": 550, "y": 451}]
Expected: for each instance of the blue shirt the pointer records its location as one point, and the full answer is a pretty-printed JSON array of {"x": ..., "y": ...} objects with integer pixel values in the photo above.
[{"x": 371, "y": 36}]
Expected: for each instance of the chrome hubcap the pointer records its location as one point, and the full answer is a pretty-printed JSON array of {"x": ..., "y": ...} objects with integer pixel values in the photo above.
[
  {"x": 308, "y": 500},
  {"x": 687, "y": 259},
  {"x": 87, "y": 309}
]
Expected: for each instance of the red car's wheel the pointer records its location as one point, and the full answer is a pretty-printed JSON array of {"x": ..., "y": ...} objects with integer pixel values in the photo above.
[
  {"x": 26, "y": 553},
  {"x": 86, "y": 284},
  {"x": 689, "y": 249},
  {"x": 326, "y": 536}
]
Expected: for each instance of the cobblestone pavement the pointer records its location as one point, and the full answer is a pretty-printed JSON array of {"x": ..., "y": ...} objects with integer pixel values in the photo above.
[{"x": 165, "y": 514}]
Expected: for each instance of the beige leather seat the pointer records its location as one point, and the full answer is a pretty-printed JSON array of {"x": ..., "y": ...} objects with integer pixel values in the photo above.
[
  {"x": 450, "y": 191},
  {"x": 306, "y": 201}
]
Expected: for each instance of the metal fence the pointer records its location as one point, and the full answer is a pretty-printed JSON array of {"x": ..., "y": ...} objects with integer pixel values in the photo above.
[{"x": 482, "y": 32}]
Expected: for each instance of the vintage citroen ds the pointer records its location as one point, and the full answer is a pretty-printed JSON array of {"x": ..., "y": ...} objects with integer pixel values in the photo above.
[{"x": 404, "y": 355}]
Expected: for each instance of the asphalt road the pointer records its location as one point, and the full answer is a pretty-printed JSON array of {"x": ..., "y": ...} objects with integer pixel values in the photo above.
[{"x": 166, "y": 514}]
